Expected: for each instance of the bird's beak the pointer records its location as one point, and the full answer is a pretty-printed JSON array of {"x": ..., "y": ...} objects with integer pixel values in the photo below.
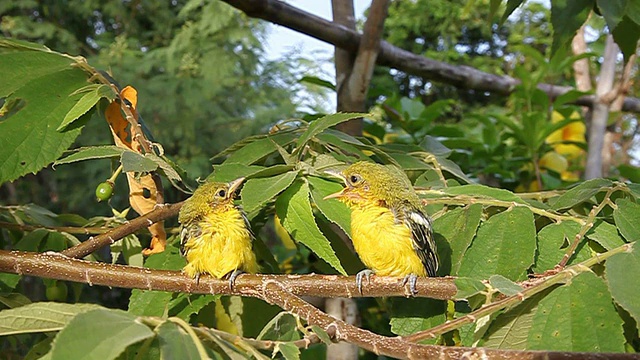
[
  {"x": 234, "y": 185},
  {"x": 336, "y": 195},
  {"x": 339, "y": 194}
]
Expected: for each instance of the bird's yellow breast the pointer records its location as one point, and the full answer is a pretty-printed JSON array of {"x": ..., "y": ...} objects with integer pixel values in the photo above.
[
  {"x": 384, "y": 245},
  {"x": 223, "y": 246}
]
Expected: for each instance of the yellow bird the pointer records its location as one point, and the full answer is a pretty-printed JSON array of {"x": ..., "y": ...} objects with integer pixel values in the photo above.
[
  {"x": 215, "y": 235},
  {"x": 390, "y": 231}
]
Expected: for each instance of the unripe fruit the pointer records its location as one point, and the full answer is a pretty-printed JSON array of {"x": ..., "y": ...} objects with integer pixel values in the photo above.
[{"x": 104, "y": 191}]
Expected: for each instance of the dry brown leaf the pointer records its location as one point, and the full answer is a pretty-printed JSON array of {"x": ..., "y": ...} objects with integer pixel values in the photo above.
[{"x": 143, "y": 193}]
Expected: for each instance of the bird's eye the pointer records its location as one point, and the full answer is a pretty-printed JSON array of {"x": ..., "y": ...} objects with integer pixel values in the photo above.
[
  {"x": 354, "y": 179},
  {"x": 221, "y": 193}
]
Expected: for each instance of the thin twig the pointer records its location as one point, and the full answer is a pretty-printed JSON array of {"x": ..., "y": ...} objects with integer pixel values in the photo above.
[{"x": 94, "y": 243}]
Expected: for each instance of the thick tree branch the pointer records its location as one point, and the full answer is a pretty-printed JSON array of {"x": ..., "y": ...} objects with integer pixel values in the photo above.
[
  {"x": 461, "y": 76},
  {"x": 94, "y": 243},
  {"x": 56, "y": 266}
]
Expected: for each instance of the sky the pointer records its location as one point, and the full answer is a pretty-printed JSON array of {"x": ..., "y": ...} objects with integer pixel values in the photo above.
[{"x": 282, "y": 40}]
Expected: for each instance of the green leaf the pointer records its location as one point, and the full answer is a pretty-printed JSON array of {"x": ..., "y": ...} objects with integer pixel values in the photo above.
[
  {"x": 14, "y": 300},
  {"x": 580, "y": 193},
  {"x": 155, "y": 303},
  {"x": 458, "y": 227},
  {"x": 322, "y": 335},
  {"x": 135, "y": 162},
  {"x": 184, "y": 305},
  {"x": 319, "y": 125},
  {"x": 626, "y": 35},
  {"x": 294, "y": 210},
  {"x": 605, "y": 234},
  {"x": 621, "y": 272},
  {"x": 317, "y": 81},
  {"x": 92, "y": 152},
  {"x": 86, "y": 103},
  {"x": 553, "y": 241},
  {"x": 577, "y": 317},
  {"x": 29, "y": 141},
  {"x": 283, "y": 327},
  {"x": 626, "y": 216},
  {"x": 231, "y": 171},
  {"x": 288, "y": 350},
  {"x": 504, "y": 285},
  {"x": 630, "y": 172},
  {"x": 98, "y": 334},
  {"x": 483, "y": 191},
  {"x": 257, "y": 192},
  {"x": 612, "y": 11},
  {"x": 567, "y": 16},
  {"x": 40, "y": 317},
  {"x": 250, "y": 150},
  {"x": 512, "y": 5},
  {"x": 175, "y": 343},
  {"x": 468, "y": 287},
  {"x": 335, "y": 211},
  {"x": 510, "y": 329},
  {"x": 505, "y": 245},
  {"x": 409, "y": 316}
]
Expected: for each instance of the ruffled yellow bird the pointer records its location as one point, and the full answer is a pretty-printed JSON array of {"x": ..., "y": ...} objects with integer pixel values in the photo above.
[
  {"x": 215, "y": 235},
  {"x": 390, "y": 231}
]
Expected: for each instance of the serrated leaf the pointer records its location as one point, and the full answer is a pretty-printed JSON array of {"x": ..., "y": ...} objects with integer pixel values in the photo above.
[
  {"x": 40, "y": 317},
  {"x": 510, "y": 330},
  {"x": 505, "y": 245},
  {"x": 288, "y": 350},
  {"x": 257, "y": 192},
  {"x": 605, "y": 234},
  {"x": 626, "y": 216},
  {"x": 504, "y": 285},
  {"x": 29, "y": 141},
  {"x": 458, "y": 227},
  {"x": 135, "y": 162},
  {"x": 468, "y": 287},
  {"x": 175, "y": 343},
  {"x": 577, "y": 317},
  {"x": 553, "y": 241},
  {"x": 294, "y": 210},
  {"x": 85, "y": 103},
  {"x": 155, "y": 303},
  {"x": 621, "y": 273},
  {"x": 319, "y": 125},
  {"x": 93, "y": 152},
  {"x": 580, "y": 193},
  {"x": 335, "y": 211},
  {"x": 111, "y": 331},
  {"x": 409, "y": 316},
  {"x": 483, "y": 191}
]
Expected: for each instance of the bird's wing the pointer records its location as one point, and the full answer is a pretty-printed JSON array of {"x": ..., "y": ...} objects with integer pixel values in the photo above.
[
  {"x": 423, "y": 239},
  {"x": 246, "y": 223},
  {"x": 188, "y": 231}
]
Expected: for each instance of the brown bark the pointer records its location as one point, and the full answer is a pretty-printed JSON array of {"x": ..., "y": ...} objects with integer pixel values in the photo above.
[{"x": 461, "y": 76}]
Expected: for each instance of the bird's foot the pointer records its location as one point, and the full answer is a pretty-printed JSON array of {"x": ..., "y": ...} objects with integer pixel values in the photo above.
[
  {"x": 232, "y": 278},
  {"x": 412, "y": 279},
  {"x": 364, "y": 273},
  {"x": 197, "y": 278}
]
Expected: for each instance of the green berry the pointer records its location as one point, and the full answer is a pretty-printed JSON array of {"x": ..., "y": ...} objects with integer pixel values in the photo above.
[
  {"x": 57, "y": 292},
  {"x": 104, "y": 191}
]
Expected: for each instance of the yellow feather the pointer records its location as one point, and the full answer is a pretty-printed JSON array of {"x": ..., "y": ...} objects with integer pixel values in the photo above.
[
  {"x": 383, "y": 245},
  {"x": 223, "y": 246}
]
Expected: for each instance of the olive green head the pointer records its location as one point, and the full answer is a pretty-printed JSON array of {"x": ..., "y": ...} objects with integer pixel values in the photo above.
[
  {"x": 208, "y": 197},
  {"x": 370, "y": 182}
]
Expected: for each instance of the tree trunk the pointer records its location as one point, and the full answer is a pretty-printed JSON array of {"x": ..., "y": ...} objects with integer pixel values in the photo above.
[{"x": 600, "y": 113}]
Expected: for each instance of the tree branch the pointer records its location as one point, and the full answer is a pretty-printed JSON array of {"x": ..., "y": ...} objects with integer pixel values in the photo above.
[
  {"x": 56, "y": 266},
  {"x": 461, "y": 76},
  {"x": 94, "y": 243}
]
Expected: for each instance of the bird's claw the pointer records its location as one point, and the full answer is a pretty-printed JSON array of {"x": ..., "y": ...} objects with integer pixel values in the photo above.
[
  {"x": 412, "y": 279},
  {"x": 364, "y": 273},
  {"x": 232, "y": 278}
]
